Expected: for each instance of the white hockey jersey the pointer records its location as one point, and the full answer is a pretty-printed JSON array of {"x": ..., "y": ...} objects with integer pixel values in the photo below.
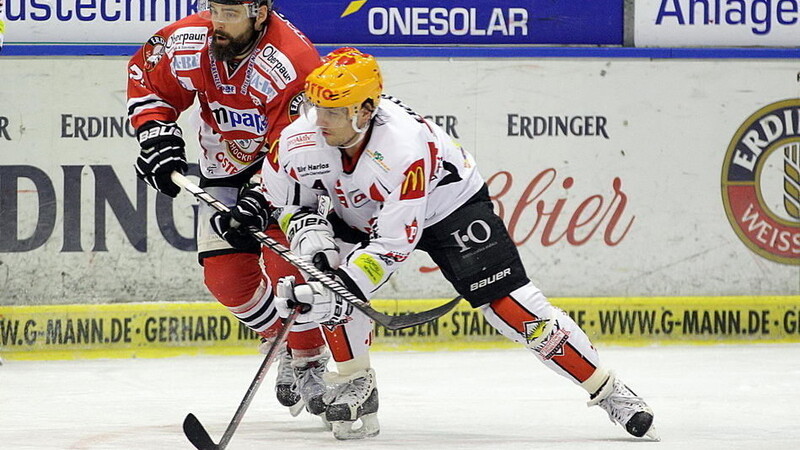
[{"x": 410, "y": 175}]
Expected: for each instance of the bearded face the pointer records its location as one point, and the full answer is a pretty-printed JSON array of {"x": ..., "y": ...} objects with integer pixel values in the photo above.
[{"x": 225, "y": 46}]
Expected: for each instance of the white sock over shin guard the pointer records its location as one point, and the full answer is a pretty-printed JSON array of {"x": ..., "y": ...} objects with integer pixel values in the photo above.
[{"x": 527, "y": 317}]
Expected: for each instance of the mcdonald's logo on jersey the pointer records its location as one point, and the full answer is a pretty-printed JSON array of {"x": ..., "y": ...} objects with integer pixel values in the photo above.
[{"x": 414, "y": 184}]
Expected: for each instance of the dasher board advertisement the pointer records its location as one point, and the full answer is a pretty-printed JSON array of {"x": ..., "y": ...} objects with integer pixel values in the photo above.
[
  {"x": 373, "y": 22},
  {"x": 614, "y": 178},
  {"x": 718, "y": 23}
]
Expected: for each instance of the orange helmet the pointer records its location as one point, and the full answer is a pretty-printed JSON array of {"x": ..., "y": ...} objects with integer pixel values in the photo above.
[{"x": 347, "y": 77}]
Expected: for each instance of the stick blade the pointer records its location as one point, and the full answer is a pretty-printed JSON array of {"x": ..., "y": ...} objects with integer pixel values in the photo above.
[
  {"x": 414, "y": 319},
  {"x": 197, "y": 434}
]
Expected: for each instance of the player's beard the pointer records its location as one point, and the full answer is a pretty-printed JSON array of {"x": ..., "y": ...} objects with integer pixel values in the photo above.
[{"x": 233, "y": 47}]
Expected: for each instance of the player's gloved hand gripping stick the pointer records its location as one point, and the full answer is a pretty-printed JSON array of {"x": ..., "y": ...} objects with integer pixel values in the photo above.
[{"x": 310, "y": 271}]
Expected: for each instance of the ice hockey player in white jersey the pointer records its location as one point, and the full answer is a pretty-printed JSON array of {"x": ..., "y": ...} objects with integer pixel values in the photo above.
[{"x": 399, "y": 183}]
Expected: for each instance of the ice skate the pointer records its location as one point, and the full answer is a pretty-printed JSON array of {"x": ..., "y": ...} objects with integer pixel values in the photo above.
[
  {"x": 308, "y": 378},
  {"x": 285, "y": 390},
  {"x": 353, "y": 405},
  {"x": 625, "y": 408}
]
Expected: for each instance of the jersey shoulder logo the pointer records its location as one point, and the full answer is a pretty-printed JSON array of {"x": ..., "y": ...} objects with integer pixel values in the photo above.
[{"x": 153, "y": 51}]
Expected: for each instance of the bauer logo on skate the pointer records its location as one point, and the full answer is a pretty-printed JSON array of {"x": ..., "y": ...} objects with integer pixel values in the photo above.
[{"x": 761, "y": 182}]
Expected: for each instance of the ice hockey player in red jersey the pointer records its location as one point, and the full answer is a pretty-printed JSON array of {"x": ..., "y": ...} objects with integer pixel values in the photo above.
[
  {"x": 245, "y": 65},
  {"x": 400, "y": 183}
]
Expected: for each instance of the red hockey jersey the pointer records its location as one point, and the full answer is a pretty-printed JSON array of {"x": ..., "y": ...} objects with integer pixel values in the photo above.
[{"x": 241, "y": 111}]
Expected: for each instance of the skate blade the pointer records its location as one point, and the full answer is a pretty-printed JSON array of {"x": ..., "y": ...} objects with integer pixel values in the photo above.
[
  {"x": 297, "y": 408},
  {"x": 328, "y": 425},
  {"x": 653, "y": 434},
  {"x": 344, "y": 431}
]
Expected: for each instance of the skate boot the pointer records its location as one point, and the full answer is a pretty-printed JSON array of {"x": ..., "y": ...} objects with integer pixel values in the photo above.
[
  {"x": 350, "y": 399},
  {"x": 625, "y": 408},
  {"x": 308, "y": 380},
  {"x": 284, "y": 381}
]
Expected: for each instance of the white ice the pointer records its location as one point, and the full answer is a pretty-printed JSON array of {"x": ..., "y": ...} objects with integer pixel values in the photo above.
[{"x": 708, "y": 397}]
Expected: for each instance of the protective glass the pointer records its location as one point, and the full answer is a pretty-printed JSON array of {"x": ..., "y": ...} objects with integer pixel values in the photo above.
[{"x": 224, "y": 13}]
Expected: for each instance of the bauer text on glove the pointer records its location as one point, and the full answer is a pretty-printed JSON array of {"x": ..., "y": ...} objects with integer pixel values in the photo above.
[
  {"x": 311, "y": 237},
  {"x": 323, "y": 305},
  {"x": 162, "y": 152}
]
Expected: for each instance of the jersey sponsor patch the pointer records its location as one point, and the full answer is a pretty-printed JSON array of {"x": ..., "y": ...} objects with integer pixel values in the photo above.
[
  {"x": 262, "y": 85},
  {"x": 299, "y": 140},
  {"x": 187, "y": 38},
  {"x": 414, "y": 184},
  {"x": 314, "y": 169},
  {"x": 245, "y": 151},
  {"x": 378, "y": 158},
  {"x": 153, "y": 51},
  {"x": 371, "y": 267},
  {"x": 277, "y": 66},
  {"x": 229, "y": 119},
  {"x": 186, "y": 62}
]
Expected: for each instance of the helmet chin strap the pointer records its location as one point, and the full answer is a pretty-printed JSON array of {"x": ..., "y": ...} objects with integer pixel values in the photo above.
[{"x": 360, "y": 131}]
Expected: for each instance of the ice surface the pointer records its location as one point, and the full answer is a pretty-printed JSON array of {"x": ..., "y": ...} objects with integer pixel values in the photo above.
[{"x": 707, "y": 397}]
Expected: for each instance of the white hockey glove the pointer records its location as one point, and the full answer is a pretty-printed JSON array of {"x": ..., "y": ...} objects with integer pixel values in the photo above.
[
  {"x": 311, "y": 238},
  {"x": 319, "y": 304}
]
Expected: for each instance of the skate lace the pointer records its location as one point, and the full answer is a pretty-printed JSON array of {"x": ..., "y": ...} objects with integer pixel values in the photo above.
[
  {"x": 285, "y": 371},
  {"x": 621, "y": 404},
  {"x": 353, "y": 392},
  {"x": 308, "y": 376}
]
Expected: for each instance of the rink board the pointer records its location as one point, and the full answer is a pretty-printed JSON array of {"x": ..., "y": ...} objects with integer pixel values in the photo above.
[
  {"x": 169, "y": 329},
  {"x": 625, "y": 198}
]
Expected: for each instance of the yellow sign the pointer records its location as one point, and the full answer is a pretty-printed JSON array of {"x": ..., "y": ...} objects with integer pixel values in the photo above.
[{"x": 169, "y": 329}]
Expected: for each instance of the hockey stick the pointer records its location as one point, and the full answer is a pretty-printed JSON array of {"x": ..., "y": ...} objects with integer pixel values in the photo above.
[
  {"x": 390, "y": 322},
  {"x": 195, "y": 431}
]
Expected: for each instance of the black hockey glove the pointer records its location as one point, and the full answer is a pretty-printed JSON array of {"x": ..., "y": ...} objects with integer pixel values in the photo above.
[
  {"x": 249, "y": 215},
  {"x": 162, "y": 153}
]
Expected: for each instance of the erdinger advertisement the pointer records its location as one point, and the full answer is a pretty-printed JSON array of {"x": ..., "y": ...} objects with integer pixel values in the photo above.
[
  {"x": 761, "y": 182},
  {"x": 615, "y": 178},
  {"x": 373, "y": 22}
]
